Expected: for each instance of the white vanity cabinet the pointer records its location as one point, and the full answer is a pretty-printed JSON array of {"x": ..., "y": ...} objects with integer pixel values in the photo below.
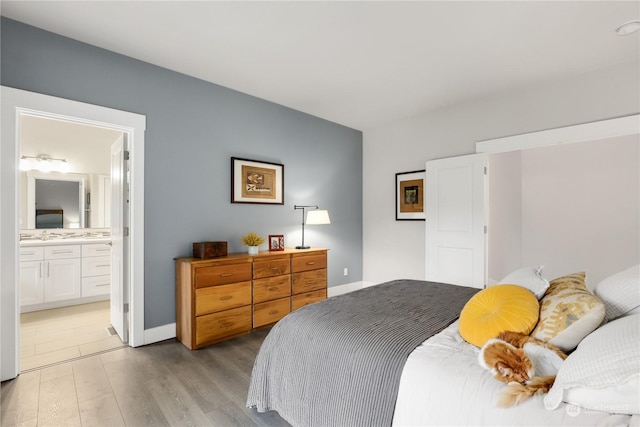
[
  {"x": 49, "y": 274},
  {"x": 31, "y": 276},
  {"x": 56, "y": 275},
  {"x": 96, "y": 269}
]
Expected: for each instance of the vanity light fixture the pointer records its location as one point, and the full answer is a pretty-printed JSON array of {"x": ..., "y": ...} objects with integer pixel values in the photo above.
[
  {"x": 628, "y": 28},
  {"x": 43, "y": 163},
  {"x": 314, "y": 217}
]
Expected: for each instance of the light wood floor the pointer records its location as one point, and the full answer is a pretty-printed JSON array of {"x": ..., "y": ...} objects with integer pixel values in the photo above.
[
  {"x": 163, "y": 384},
  {"x": 61, "y": 334}
]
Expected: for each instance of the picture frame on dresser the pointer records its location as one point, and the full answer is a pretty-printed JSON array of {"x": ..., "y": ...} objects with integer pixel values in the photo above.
[
  {"x": 255, "y": 181},
  {"x": 276, "y": 242},
  {"x": 410, "y": 196}
]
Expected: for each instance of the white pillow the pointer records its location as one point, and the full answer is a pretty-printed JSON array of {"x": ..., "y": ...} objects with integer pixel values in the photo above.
[
  {"x": 530, "y": 278},
  {"x": 603, "y": 373},
  {"x": 620, "y": 292}
]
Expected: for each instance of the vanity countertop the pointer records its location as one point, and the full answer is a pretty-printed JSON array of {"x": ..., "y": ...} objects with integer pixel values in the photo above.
[
  {"x": 64, "y": 241},
  {"x": 59, "y": 237}
]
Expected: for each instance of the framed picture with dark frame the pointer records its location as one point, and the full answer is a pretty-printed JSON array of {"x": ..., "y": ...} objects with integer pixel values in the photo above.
[
  {"x": 254, "y": 181},
  {"x": 276, "y": 242},
  {"x": 410, "y": 196}
]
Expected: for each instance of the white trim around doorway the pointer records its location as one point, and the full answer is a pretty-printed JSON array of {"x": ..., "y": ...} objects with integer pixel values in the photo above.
[{"x": 14, "y": 103}]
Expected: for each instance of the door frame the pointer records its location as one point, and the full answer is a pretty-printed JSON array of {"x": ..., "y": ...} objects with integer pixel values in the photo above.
[{"x": 14, "y": 103}]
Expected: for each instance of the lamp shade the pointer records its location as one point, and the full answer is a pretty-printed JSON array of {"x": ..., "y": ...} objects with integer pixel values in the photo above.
[{"x": 318, "y": 217}]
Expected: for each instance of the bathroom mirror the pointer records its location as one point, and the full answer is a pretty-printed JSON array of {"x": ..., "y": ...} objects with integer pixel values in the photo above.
[{"x": 55, "y": 201}]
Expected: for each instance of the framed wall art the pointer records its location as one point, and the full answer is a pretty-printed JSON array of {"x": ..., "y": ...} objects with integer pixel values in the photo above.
[
  {"x": 276, "y": 242},
  {"x": 254, "y": 181},
  {"x": 410, "y": 196}
]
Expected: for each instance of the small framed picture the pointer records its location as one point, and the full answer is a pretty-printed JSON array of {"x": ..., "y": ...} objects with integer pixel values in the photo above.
[
  {"x": 276, "y": 242},
  {"x": 410, "y": 196},
  {"x": 254, "y": 181}
]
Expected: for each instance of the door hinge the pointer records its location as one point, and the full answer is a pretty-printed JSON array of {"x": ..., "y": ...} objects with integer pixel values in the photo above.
[
  {"x": 125, "y": 308},
  {"x": 125, "y": 232},
  {"x": 485, "y": 170},
  {"x": 485, "y": 229},
  {"x": 125, "y": 154}
]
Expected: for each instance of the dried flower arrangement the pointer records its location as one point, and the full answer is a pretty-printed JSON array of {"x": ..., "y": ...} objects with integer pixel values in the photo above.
[{"x": 252, "y": 239}]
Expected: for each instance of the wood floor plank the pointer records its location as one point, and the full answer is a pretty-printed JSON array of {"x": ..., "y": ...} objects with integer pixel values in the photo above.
[
  {"x": 58, "y": 402},
  {"x": 90, "y": 379},
  {"x": 195, "y": 375},
  {"x": 162, "y": 384},
  {"x": 176, "y": 403},
  {"x": 137, "y": 405},
  {"x": 19, "y": 400},
  {"x": 101, "y": 411}
]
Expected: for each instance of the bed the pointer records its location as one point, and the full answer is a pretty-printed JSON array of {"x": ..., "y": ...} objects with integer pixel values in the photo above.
[{"x": 392, "y": 354}]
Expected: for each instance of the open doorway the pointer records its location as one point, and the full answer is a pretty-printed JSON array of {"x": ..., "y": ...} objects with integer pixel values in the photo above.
[
  {"x": 64, "y": 310},
  {"x": 16, "y": 103}
]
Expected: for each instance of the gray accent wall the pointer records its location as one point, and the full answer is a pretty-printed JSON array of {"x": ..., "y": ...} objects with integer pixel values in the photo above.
[{"x": 193, "y": 129}]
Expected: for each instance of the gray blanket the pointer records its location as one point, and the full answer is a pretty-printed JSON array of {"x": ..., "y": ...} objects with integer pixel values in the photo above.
[{"x": 338, "y": 362}]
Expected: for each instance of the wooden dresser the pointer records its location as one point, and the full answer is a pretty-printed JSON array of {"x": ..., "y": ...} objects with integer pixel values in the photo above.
[{"x": 222, "y": 298}]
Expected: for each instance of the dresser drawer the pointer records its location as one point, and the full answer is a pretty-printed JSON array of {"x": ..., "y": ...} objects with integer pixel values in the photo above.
[
  {"x": 271, "y": 267},
  {"x": 99, "y": 285},
  {"x": 96, "y": 266},
  {"x": 96, "y": 249},
  {"x": 222, "y": 297},
  {"x": 35, "y": 253},
  {"x": 222, "y": 274},
  {"x": 266, "y": 313},
  {"x": 308, "y": 262},
  {"x": 308, "y": 281},
  {"x": 215, "y": 327},
  {"x": 62, "y": 251},
  {"x": 306, "y": 298},
  {"x": 271, "y": 288}
]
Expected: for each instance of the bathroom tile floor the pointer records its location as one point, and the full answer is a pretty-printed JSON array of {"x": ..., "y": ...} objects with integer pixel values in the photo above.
[{"x": 52, "y": 336}]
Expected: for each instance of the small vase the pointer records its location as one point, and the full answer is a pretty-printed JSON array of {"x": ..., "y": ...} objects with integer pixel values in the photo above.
[{"x": 253, "y": 250}]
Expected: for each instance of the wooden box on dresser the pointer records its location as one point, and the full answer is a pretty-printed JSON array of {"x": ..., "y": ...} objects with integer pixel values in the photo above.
[{"x": 222, "y": 298}]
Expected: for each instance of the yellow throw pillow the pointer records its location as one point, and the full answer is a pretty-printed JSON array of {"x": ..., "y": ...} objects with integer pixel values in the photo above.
[
  {"x": 497, "y": 309},
  {"x": 568, "y": 312}
]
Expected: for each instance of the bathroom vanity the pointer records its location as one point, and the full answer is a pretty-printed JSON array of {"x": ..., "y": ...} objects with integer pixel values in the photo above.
[{"x": 58, "y": 270}]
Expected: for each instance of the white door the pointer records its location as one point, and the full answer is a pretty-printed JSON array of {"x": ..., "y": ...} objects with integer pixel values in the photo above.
[
  {"x": 119, "y": 215},
  {"x": 455, "y": 196}
]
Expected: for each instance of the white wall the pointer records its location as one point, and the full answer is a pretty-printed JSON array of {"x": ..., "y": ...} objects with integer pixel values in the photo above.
[
  {"x": 570, "y": 207},
  {"x": 396, "y": 249},
  {"x": 591, "y": 221},
  {"x": 505, "y": 218}
]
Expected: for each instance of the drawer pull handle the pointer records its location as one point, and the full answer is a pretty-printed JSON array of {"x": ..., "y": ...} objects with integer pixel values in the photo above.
[
  {"x": 103, "y": 265},
  {"x": 311, "y": 262},
  {"x": 226, "y": 274},
  {"x": 273, "y": 312},
  {"x": 273, "y": 289},
  {"x": 226, "y": 297},
  {"x": 103, "y": 284},
  {"x": 225, "y": 325},
  {"x": 310, "y": 282},
  {"x": 28, "y": 253},
  {"x": 103, "y": 250},
  {"x": 275, "y": 269},
  {"x": 62, "y": 252}
]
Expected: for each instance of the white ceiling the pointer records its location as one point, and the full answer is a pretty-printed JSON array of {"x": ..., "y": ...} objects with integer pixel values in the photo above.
[
  {"x": 86, "y": 148},
  {"x": 358, "y": 63}
]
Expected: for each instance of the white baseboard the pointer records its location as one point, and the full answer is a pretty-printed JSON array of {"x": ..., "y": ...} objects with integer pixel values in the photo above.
[
  {"x": 346, "y": 288},
  {"x": 159, "y": 333}
]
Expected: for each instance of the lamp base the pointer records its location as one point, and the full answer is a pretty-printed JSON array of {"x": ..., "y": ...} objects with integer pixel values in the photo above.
[{"x": 303, "y": 247}]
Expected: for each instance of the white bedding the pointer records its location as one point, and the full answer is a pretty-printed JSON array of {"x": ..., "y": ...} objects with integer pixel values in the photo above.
[{"x": 443, "y": 384}]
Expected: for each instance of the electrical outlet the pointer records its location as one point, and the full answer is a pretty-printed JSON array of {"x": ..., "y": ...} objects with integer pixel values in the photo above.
[{"x": 346, "y": 271}]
